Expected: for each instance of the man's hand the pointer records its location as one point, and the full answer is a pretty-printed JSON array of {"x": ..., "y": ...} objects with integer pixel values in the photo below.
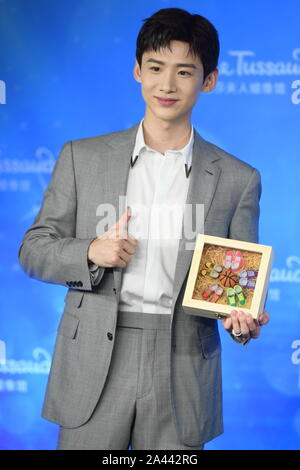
[
  {"x": 115, "y": 247},
  {"x": 239, "y": 322}
]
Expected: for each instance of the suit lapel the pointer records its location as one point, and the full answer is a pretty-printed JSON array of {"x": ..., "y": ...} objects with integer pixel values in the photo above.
[
  {"x": 204, "y": 178},
  {"x": 122, "y": 146}
]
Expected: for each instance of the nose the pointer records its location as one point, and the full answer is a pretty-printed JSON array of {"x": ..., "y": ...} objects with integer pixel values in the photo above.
[{"x": 168, "y": 83}]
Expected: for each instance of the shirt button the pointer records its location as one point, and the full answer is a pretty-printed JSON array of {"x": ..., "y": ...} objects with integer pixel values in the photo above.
[{"x": 110, "y": 336}]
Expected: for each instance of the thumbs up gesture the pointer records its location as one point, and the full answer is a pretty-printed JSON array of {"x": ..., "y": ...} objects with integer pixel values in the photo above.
[{"x": 115, "y": 247}]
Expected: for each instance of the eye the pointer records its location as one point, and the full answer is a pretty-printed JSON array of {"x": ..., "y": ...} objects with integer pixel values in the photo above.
[
  {"x": 152, "y": 68},
  {"x": 185, "y": 72}
]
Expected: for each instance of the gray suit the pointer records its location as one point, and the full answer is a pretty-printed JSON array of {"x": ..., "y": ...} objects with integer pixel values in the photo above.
[{"x": 92, "y": 171}]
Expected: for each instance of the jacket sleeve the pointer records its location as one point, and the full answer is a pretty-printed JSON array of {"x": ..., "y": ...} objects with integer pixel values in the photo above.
[
  {"x": 96, "y": 273},
  {"x": 244, "y": 224},
  {"x": 50, "y": 250}
]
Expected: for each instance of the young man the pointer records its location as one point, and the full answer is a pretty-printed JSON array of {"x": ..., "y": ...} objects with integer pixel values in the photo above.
[{"x": 130, "y": 367}]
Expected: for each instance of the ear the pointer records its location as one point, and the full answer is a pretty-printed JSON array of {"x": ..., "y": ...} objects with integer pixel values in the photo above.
[
  {"x": 210, "y": 81},
  {"x": 137, "y": 72}
]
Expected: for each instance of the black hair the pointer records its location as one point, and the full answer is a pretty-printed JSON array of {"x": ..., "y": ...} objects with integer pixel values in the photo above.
[{"x": 170, "y": 24}]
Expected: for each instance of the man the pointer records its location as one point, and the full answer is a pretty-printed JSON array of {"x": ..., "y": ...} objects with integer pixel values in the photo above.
[{"x": 130, "y": 367}]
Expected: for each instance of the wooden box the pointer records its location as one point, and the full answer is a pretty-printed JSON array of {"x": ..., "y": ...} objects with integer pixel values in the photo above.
[{"x": 255, "y": 261}]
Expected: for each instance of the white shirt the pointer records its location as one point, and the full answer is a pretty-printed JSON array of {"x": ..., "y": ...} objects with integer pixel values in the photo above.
[{"x": 156, "y": 192}]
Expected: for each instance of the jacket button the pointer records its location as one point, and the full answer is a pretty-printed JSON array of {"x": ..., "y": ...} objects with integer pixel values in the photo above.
[
  {"x": 115, "y": 290},
  {"x": 110, "y": 336}
]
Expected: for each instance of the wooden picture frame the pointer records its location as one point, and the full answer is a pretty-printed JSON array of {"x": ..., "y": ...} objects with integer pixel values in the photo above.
[{"x": 260, "y": 260}]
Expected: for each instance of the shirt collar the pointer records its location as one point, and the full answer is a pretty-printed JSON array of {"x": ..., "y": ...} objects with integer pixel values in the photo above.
[{"x": 140, "y": 146}]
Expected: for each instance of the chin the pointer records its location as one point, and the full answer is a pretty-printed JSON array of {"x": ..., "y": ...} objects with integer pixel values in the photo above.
[
  {"x": 167, "y": 112},
  {"x": 167, "y": 118}
]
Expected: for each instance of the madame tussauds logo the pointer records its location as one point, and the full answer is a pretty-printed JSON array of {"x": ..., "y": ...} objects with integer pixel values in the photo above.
[
  {"x": 292, "y": 274},
  {"x": 2, "y": 353},
  {"x": 296, "y": 94},
  {"x": 2, "y": 92},
  {"x": 244, "y": 65},
  {"x": 39, "y": 365},
  {"x": 296, "y": 356}
]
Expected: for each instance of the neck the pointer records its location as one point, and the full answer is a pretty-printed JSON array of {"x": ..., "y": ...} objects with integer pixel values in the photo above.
[{"x": 166, "y": 135}]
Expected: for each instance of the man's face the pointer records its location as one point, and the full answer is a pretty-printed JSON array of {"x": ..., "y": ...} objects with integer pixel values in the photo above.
[{"x": 175, "y": 76}]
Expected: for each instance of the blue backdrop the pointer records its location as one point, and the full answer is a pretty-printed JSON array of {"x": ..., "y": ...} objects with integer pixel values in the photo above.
[{"x": 66, "y": 73}]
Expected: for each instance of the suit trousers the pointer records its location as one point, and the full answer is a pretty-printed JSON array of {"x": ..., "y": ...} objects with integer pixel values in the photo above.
[{"x": 134, "y": 410}]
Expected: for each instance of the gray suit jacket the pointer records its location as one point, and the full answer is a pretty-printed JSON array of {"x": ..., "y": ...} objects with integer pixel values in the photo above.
[{"x": 54, "y": 249}]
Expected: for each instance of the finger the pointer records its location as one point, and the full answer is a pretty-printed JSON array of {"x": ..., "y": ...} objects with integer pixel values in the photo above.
[
  {"x": 118, "y": 232},
  {"x": 125, "y": 256},
  {"x": 123, "y": 219},
  {"x": 131, "y": 239},
  {"x": 254, "y": 329},
  {"x": 250, "y": 322},
  {"x": 264, "y": 318},
  {"x": 256, "y": 332},
  {"x": 243, "y": 323},
  {"x": 121, "y": 224},
  {"x": 121, "y": 263},
  {"x": 235, "y": 322},
  {"x": 227, "y": 323},
  {"x": 128, "y": 247}
]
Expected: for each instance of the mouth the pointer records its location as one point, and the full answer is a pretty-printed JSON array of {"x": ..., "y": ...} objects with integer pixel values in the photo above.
[{"x": 165, "y": 102}]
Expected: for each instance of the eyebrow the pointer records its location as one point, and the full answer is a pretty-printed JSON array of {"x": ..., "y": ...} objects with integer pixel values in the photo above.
[{"x": 192, "y": 66}]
